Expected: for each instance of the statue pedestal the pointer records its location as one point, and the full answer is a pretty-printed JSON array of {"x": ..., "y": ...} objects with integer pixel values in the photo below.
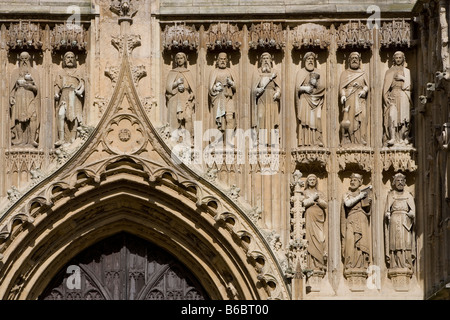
[
  {"x": 314, "y": 283},
  {"x": 400, "y": 278},
  {"x": 357, "y": 279}
]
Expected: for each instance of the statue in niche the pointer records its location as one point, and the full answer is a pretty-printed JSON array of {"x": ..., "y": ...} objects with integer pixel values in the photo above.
[
  {"x": 353, "y": 88},
  {"x": 355, "y": 213},
  {"x": 309, "y": 98},
  {"x": 266, "y": 93},
  {"x": 315, "y": 206},
  {"x": 180, "y": 95},
  {"x": 397, "y": 102},
  {"x": 399, "y": 227},
  {"x": 24, "y": 104},
  {"x": 222, "y": 88},
  {"x": 69, "y": 97}
]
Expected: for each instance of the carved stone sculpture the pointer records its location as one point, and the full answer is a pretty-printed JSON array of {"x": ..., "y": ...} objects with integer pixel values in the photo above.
[
  {"x": 180, "y": 95},
  {"x": 222, "y": 88},
  {"x": 24, "y": 103},
  {"x": 397, "y": 102},
  {"x": 309, "y": 97},
  {"x": 355, "y": 213},
  {"x": 69, "y": 97},
  {"x": 315, "y": 205},
  {"x": 353, "y": 88},
  {"x": 266, "y": 93},
  {"x": 399, "y": 228}
]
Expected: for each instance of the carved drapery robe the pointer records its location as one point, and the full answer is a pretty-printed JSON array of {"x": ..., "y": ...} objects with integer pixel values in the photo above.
[
  {"x": 314, "y": 225},
  {"x": 181, "y": 105},
  {"x": 399, "y": 230},
  {"x": 351, "y": 83},
  {"x": 309, "y": 108},
  {"x": 69, "y": 80},
  {"x": 222, "y": 102},
  {"x": 355, "y": 232},
  {"x": 25, "y": 91},
  {"x": 396, "y": 99},
  {"x": 266, "y": 110}
]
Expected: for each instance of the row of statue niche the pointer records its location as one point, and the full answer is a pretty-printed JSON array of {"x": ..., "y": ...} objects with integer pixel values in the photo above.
[
  {"x": 25, "y": 106},
  {"x": 356, "y": 205},
  {"x": 309, "y": 101},
  {"x": 222, "y": 86}
]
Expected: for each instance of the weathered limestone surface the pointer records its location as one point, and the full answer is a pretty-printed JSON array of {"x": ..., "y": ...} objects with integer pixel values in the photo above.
[{"x": 306, "y": 215}]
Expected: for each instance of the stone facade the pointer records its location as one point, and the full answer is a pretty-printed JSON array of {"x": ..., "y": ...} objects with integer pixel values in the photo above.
[{"x": 280, "y": 149}]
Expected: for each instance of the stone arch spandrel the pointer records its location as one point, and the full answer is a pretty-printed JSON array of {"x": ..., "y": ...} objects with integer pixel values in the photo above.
[{"x": 121, "y": 204}]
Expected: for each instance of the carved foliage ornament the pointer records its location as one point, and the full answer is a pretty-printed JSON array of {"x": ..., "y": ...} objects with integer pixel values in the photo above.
[
  {"x": 311, "y": 35},
  {"x": 68, "y": 37},
  {"x": 267, "y": 35},
  {"x": 222, "y": 36},
  {"x": 123, "y": 8},
  {"x": 180, "y": 37},
  {"x": 354, "y": 34},
  {"x": 24, "y": 35}
]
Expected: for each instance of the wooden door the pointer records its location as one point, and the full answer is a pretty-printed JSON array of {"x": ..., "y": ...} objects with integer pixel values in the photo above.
[{"x": 124, "y": 267}]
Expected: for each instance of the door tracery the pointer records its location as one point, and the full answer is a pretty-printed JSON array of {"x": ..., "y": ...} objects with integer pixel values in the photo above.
[{"x": 124, "y": 267}]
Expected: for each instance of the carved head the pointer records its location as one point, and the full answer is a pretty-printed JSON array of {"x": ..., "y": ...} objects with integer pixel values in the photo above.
[
  {"x": 311, "y": 180},
  {"x": 354, "y": 60},
  {"x": 180, "y": 59},
  {"x": 265, "y": 62},
  {"x": 69, "y": 60},
  {"x": 356, "y": 181},
  {"x": 399, "y": 182},
  {"x": 399, "y": 58},
  {"x": 24, "y": 58},
  {"x": 309, "y": 61},
  {"x": 222, "y": 60}
]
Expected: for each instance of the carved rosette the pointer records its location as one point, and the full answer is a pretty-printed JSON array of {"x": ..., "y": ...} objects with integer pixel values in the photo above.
[
  {"x": 267, "y": 35},
  {"x": 359, "y": 157},
  {"x": 125, "y": 135},
  {"x": 180, "y": 37},
  {"x": 317, "y": 157},
  {"x": 354, "y": 34},
  {"x": 24, "y": 35},
  {"x": 223, "y": 36},
  {"x": 399, "y": 159},
  {"x": 311, "y": 35},
  {"x": 65, "y": 37},
  {"x": 396, "y": 33}
]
